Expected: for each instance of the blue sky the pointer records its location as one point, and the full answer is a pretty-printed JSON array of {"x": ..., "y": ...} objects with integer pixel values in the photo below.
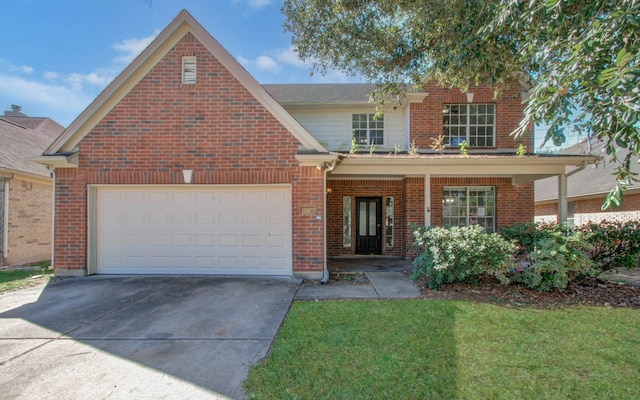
[{"x": 58, "y": 55}]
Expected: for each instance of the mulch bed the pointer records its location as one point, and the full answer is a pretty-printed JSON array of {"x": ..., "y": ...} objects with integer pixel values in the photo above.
[{"x": 594, "y": 292}]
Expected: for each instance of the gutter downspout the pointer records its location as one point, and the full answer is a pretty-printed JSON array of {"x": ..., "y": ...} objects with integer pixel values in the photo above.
[
  {"x": 325, "y": 271},
  {"x": 4, "y": 236},
  {"x": 53, "y": 213}
]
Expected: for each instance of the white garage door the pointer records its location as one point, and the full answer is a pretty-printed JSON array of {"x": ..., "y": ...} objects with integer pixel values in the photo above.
[{"x": 234, "y": 230}]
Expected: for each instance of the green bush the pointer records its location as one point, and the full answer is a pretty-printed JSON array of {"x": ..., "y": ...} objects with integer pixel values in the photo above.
[
  {"x": 614, "y": 245},
  {"x": 555, "y": 262},
  {"x": 447, "y": 255},
  {"x": 530, "y": 234}
]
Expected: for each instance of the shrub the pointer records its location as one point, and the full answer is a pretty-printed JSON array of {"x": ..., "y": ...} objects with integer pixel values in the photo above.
[
  {"x": 447, "y": 255},
  {"x": 555, "y": 262},
  {"x": 530, "y": 234},
  {"x": 614, "y": 245}
]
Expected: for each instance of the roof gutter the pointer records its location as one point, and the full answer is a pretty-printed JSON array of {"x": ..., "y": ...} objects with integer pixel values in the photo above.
[{"x": 580, "y": 168}]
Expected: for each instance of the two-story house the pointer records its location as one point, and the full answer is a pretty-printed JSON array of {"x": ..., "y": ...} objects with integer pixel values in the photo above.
[{"x": 186, "y": 165}]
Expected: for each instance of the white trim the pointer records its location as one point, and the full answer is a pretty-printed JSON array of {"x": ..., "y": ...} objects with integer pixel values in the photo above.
[{"x": 5, "y": 237}]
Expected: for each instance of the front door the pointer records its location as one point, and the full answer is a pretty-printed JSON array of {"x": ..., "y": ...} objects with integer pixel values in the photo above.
[{"x": 368, "y": 225}]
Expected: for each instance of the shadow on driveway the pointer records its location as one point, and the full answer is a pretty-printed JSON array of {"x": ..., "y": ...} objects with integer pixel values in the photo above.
[{"x": 138, "y": 337}]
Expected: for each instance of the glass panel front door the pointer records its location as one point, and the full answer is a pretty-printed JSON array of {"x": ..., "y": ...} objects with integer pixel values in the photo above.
[{"x": 369, "y": 234}]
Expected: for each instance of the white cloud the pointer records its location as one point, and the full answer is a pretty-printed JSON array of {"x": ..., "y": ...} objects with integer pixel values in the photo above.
[
  {"x": 260, "y": 63},
  {"x": 266, "y": 63},
  {"x": 50, "y": 76},
  {"x": 26, "y": 69},
  {"x": 289, "y": 57},
  {"x": 132, "y": 47},
  {"x": 61, "y": 102},
  {"x": 254, "y": 5},
  {"x": 100, "y": 78}
]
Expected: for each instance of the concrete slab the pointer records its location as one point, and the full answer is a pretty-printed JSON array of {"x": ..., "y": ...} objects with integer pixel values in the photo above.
[
  {"x": 393, "y": 285},
  {"x": 330, "y": 292},
  {"x": 139, "y": 337}
]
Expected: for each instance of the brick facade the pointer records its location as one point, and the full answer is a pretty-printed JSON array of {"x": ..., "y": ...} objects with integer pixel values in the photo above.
[
  {"x": 588, "y": 210},
  {"x": 426, "y": 117},
  {"x": 215, "y": 128},
  {"x": 28, "y": 222},
  {"x": 514, "y": 203}
]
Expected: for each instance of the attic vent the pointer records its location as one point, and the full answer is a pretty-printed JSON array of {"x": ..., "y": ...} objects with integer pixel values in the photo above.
[{"x": 189, "y": 70}]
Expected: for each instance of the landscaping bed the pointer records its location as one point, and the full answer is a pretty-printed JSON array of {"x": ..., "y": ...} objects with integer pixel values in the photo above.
[{"x": 593, "y": 292}]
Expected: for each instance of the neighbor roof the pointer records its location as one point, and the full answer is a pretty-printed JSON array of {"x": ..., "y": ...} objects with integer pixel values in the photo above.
[
  {"x": 22, "y": 138},
  {"x": 596, "y": 179}
]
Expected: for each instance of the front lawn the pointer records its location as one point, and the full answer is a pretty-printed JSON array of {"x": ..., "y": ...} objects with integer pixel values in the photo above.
[
  {"x": 426, "y": 349},
  {"x": 20, "y": 278}
]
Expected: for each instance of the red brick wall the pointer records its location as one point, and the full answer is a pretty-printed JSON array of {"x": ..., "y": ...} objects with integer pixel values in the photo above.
[
  {"x": 513, "y": 203},
  {"x": 215, "y": 128},
  {"x": 589, "y": 210},
  {"x": 408, "y": 196},
  {"x": 361, "y": 188},
  {"x": 426, "y": 117}
]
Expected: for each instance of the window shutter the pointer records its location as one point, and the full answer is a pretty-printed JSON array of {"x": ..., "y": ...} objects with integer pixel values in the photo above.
[{"x": 189, "y": 70}]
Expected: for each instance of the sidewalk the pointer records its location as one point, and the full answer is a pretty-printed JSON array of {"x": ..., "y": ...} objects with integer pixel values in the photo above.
[{"x": 377, "y": 285}]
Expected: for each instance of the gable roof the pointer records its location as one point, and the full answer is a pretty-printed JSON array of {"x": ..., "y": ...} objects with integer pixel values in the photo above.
[
  {"x": 184, "y": 23},
  {"x": 21, "y": 139},
  {"x": 314, "y": 94},
  {"x": 594, "y": 180}
]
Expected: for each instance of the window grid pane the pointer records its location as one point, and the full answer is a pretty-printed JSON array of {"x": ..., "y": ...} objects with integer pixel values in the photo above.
[
  {"x": 471, "y": 122},
  {"x": 463, "y": 206},
  {"x": 367, "y": 129}
]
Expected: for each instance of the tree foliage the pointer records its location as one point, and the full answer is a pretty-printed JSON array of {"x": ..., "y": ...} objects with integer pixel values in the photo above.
[{"x": 581, "y": 58}]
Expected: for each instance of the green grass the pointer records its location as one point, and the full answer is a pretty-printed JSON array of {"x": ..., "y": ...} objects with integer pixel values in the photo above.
[
  {"x": 17, "y": 279},
  {"x": 417, "y": 349}
]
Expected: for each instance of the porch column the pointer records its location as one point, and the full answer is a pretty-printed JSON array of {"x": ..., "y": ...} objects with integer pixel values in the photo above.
[
  {"x": 562, "y": 198},
  {"x": 427, "y": 200}
]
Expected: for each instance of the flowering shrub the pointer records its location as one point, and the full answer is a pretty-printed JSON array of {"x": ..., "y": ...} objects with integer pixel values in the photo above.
[
  {"x": 447, "y": 255},
  {"x": 614, "y": 245}
]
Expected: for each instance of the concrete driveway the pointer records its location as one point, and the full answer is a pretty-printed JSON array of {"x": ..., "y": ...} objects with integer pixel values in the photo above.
[{"x": 138, "y": 337}]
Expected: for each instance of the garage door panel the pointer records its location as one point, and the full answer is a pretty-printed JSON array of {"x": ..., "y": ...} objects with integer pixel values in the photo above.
[{"x": 186, "y": 230}]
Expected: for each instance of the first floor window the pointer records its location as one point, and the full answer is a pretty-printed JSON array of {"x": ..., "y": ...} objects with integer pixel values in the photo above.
[
  {"x": 346, "y": 221},
  {"x": 368, "y": 129},
  {"x": 469, "y": 205},
  {"x": 473, "y": 123}
]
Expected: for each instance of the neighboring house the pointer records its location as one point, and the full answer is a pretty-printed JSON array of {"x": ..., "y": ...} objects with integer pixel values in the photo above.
[
  {"x": 186, "y": 165},
  {"x": 25, "y": 188},
  {"x": 587, "y": 190}
]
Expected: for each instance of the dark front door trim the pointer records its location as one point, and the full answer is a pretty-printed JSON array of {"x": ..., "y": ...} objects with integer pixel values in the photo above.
[{"x": 368, "y": 225}]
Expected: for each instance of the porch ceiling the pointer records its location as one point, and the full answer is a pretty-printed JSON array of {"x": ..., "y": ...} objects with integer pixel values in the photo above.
[{"x": 519, "y": 169}]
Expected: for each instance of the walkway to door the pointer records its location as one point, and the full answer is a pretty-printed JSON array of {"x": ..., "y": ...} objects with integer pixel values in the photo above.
[{"x": 368, "y": 264}]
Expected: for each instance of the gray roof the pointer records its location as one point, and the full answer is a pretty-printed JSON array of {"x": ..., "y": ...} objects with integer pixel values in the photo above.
[
  {"x": 596, "y": 179},
  {"x": 22, "y": 138},
  {"x": 302, "y": 94}
]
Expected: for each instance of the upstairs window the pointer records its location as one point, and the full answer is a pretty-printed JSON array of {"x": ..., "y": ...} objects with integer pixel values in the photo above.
[
  {"x": 367, "y": 129},
  {"x": 189, "y": 70},
  {"x": 474, "y": 123}
]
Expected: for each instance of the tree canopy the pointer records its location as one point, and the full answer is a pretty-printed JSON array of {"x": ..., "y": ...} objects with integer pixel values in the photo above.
[{"x": 580, "y": 58}]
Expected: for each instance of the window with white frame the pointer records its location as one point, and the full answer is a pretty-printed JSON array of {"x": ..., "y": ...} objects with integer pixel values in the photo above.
[
  {"x": 368, "y": 129},
  {"x": 474, "y": 123},
  {"x": 469, "y": 205}
]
